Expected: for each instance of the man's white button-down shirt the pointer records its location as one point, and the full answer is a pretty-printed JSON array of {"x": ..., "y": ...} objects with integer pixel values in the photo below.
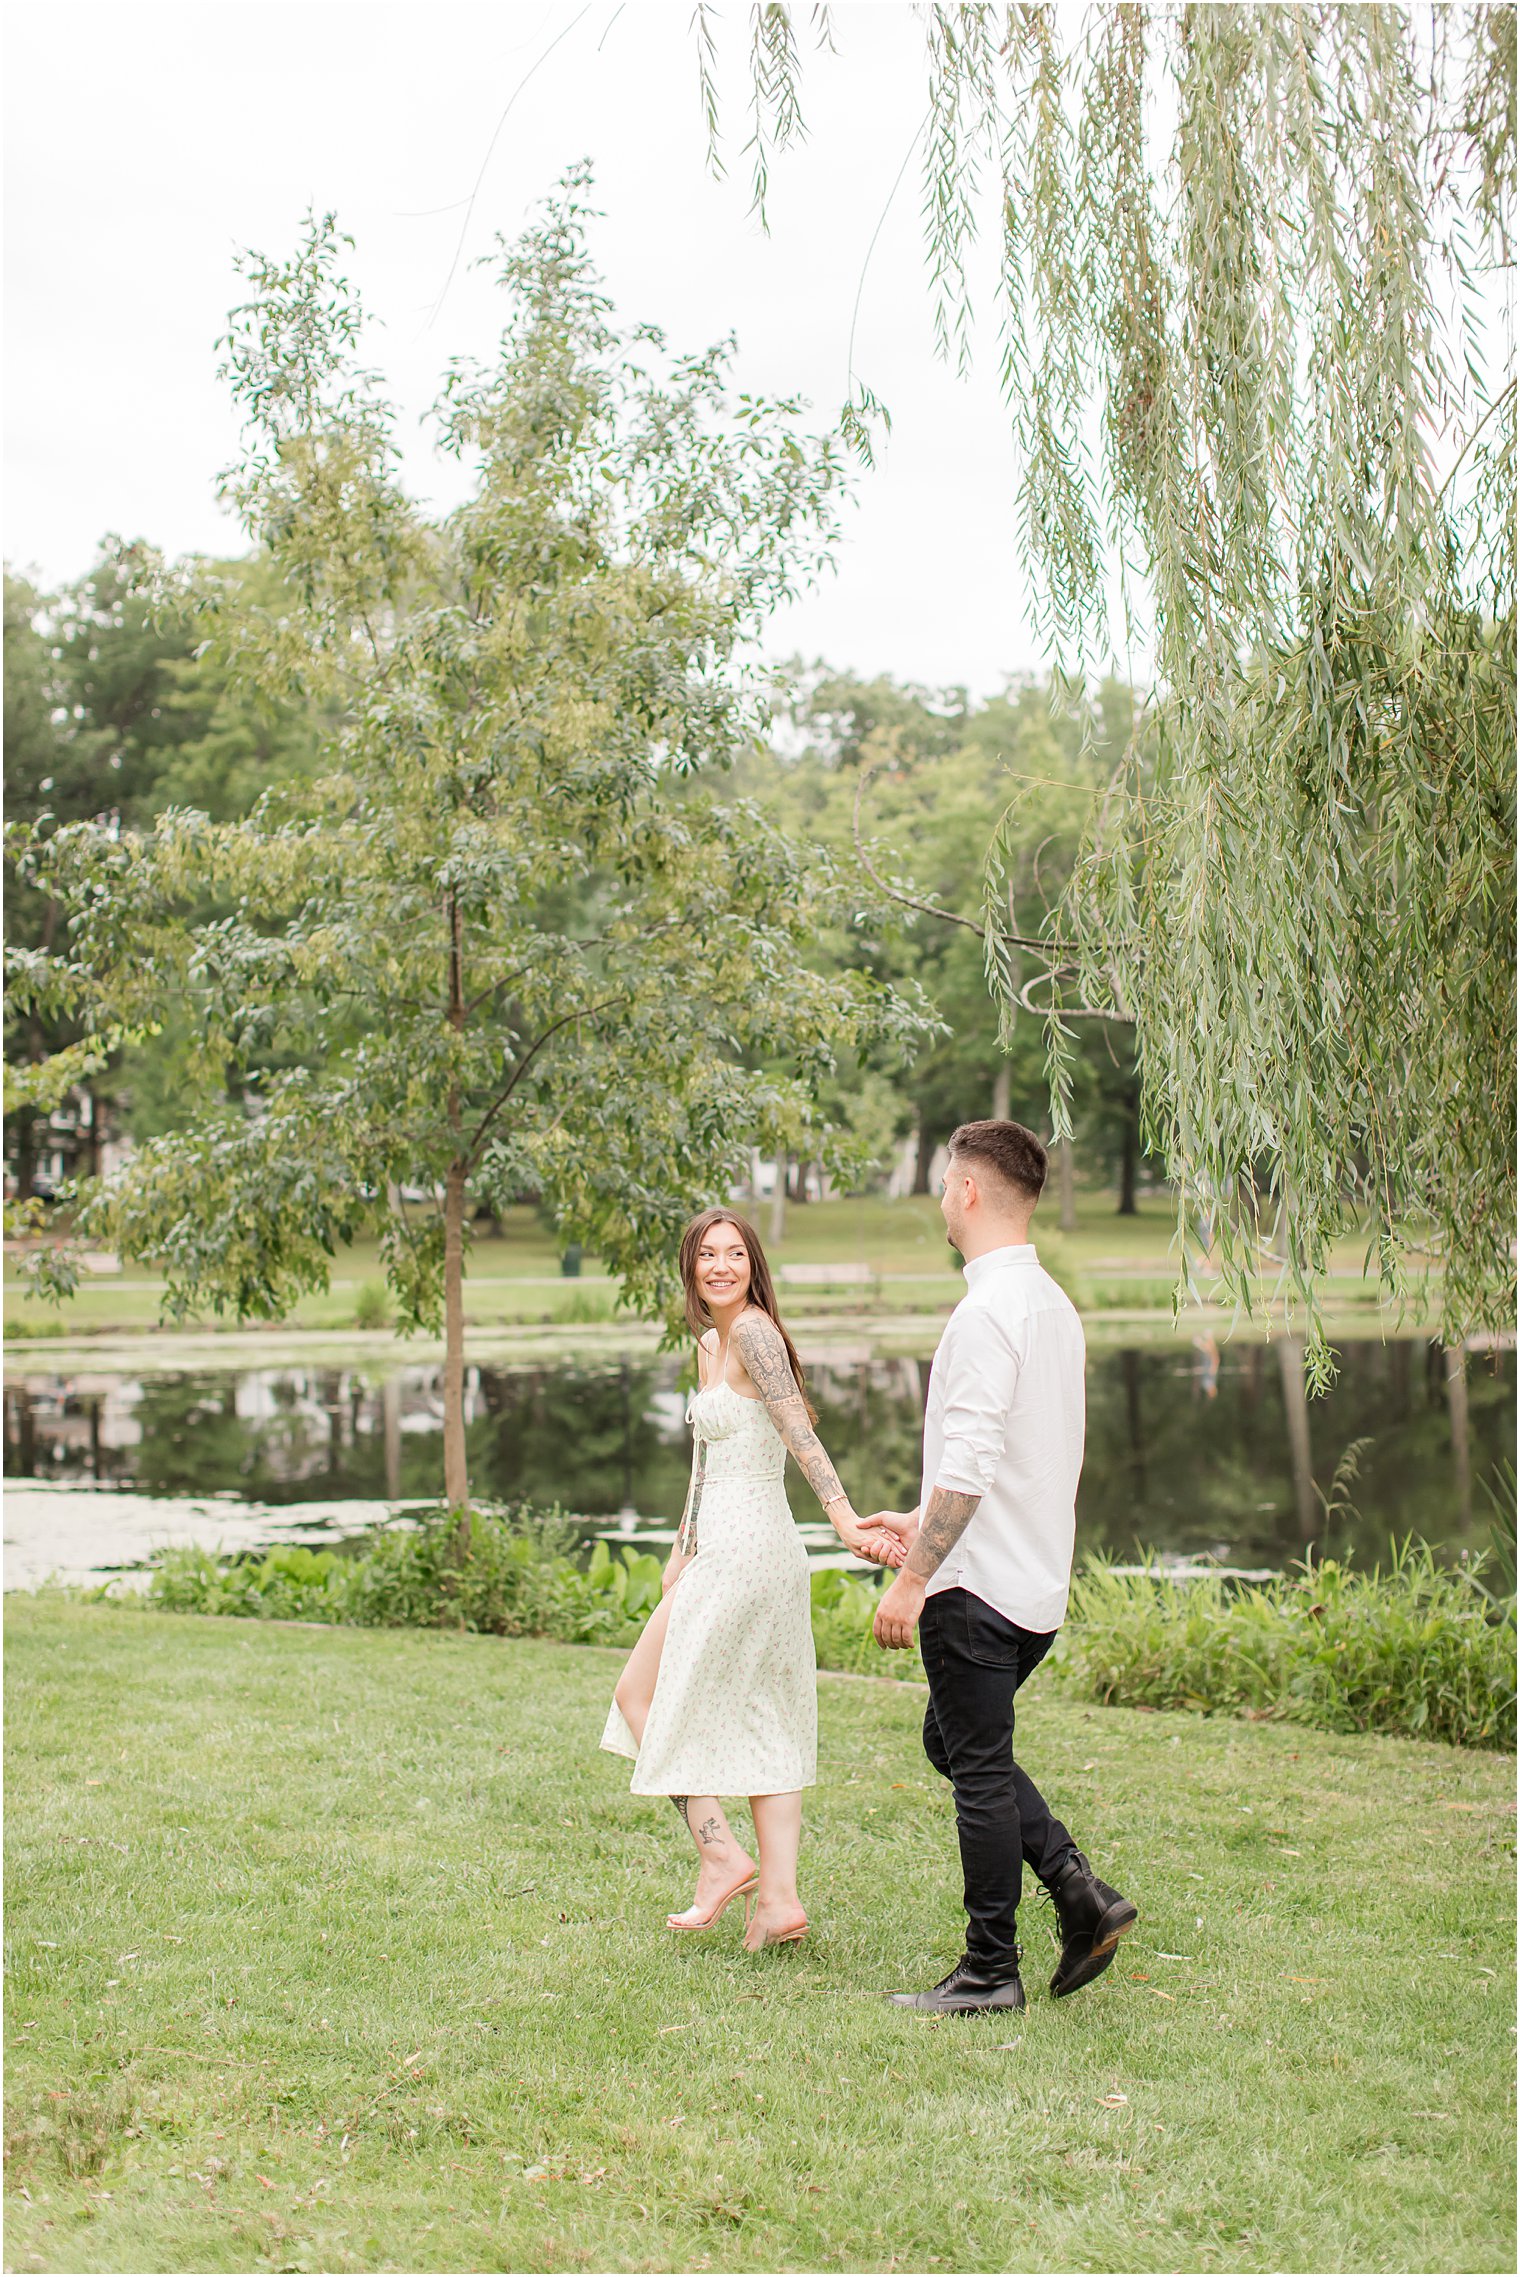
[{"x": 1005, "y": 1420}]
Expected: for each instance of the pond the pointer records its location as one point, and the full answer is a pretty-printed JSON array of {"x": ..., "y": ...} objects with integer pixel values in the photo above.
[{"x": 1192, "y": 1449}]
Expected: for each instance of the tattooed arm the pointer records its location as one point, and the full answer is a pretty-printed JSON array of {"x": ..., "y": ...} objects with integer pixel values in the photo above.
[
  {"x": 686, "y": 1537},
  {"x": 758, "y": 1344},
  {"x": 946, "y": 1517},
  {"x": 684, "y": 1548},
  {"x": 947, "y": 1514}
]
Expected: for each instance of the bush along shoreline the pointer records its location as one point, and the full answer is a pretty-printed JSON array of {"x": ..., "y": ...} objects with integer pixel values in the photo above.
[{"x": 1414, "y": 1649}]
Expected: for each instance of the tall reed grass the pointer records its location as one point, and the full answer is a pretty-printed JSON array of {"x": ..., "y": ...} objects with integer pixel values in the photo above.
[{"x": 1416, "y": 1648}]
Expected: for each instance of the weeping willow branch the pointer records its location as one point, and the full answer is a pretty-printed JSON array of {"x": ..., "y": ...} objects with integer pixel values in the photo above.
[
  {"x": 1252, "y": 340},
  {"x": 998, "y": 939}
]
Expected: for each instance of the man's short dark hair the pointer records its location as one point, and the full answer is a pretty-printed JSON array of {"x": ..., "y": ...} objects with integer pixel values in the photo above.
[{"x": 1014, "y": 1153}]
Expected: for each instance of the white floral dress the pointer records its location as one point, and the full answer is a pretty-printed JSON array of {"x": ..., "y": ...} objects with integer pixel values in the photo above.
[{"x": 735, "y": 1708}]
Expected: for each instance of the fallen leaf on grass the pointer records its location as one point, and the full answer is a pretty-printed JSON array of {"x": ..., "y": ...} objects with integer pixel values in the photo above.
[
  {"x": 1113, "y": 2101},
  {"x": 664, "y": 2028},
  {"x": 1158, "y": 1994},
  {"x": 1308, "y": 1980}
]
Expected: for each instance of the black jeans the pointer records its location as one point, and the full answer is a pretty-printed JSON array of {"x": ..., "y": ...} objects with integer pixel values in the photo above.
[{"x": 975, "y": 1661}]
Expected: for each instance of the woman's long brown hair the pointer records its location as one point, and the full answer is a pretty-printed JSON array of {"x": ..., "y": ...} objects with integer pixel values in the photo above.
[{"x": 762, "y": 1289}]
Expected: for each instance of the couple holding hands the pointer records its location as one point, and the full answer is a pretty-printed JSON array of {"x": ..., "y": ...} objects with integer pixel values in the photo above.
[{"x": 719, "y": 1697}]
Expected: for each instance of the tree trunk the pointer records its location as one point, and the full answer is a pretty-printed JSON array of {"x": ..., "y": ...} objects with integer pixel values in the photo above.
[
  {"x": 1002, "y": 1093},
  {"x": 1129, "y": 1361},
  {"x": 1290, "y": 1369},
  {"x": 91, "y": 1132},
  {"x": 1066, "y": 1175},
  {"x": 1461, "y": 1450},
  {"x": 1129, "y": 1160},
  {"x": 923, "y": 1159},
  {"x": 456, "y": 1484},
  {"x": 390, "y": 1396},
  {"x": 775, "y": 1232},
  {"x": 26, "y": 1151},
  {"x": 26, "y": 1432}
]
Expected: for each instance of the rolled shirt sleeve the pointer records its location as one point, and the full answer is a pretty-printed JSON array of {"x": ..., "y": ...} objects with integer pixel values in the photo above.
[{"x": 981, "y": 1375}]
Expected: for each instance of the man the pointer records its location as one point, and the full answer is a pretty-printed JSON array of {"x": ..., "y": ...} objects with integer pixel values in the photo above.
[{"x": 988, "y": 1569}]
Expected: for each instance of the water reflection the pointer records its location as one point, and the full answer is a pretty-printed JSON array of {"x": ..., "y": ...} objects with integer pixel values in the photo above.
[{"x": 1191, "y": 1450}]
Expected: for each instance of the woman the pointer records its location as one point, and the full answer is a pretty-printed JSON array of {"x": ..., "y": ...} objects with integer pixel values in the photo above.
[{"x": 719, "y": 1694}]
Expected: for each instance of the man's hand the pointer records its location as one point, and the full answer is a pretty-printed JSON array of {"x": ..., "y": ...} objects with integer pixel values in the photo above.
[
  {"x": 868, "y": 1538},
  {"x": 898, "y": 1525},
  {"x": 897, "y": 1614}
]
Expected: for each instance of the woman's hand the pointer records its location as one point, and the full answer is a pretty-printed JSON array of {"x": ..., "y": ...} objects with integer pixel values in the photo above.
[
  {"x": 896, "y": 1527},
  {"x": 868, "y": 1538},
  {"x": 675, "y": 1566}
]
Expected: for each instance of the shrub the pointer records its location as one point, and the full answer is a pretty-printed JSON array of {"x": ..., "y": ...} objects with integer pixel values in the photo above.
[
  {"x": 290, "y": 1584},
  {"x": 844, "y": 1606},
  {"x": 1420, "y": 1649},
  {"x": 372, "y": 1306},
  {"x": 511, "y": 1576}
]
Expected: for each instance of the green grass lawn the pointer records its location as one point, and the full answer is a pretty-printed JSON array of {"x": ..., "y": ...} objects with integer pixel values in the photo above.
[
  {"x": 1109, "y": 1263},
  {"x": 343, "y": 1950}
]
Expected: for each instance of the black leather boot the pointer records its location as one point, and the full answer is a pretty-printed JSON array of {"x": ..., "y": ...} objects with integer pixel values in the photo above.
[
  {"x": 968, "y": 1988},
  {"x": 1093, "y": 1918}
]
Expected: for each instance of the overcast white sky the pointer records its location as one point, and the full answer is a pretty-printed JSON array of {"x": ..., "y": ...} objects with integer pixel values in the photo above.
[{"x": 146, "y": 142}]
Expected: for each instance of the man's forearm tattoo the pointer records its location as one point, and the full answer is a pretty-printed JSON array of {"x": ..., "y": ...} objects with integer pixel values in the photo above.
[
  {"x": 764, "y": 1355},
  {"x": 946, "y": 1517}
]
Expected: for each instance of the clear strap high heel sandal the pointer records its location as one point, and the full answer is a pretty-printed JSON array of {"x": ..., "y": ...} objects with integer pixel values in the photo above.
[
  {"x": 792, "y": 1936},
  {"x": 692, "y": 1920}
]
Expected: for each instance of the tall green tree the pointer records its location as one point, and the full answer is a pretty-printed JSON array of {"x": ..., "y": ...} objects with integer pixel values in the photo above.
[
  {"x": 509, "y": 937},
  {"x": 115, "y": 710},
  {"x": 917, "y": 781},
  {"x": 1254, "y": 350}
]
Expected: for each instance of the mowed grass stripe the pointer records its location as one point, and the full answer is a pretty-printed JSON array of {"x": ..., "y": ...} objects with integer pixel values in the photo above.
[{"x": 342, "y": 1950}]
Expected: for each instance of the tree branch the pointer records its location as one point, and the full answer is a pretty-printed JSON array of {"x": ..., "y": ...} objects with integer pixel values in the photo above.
[
  {"x": 1049, "y": 950},
  {"x": 585, "y": 1012},
  {"x": 1499, "y": 401}
]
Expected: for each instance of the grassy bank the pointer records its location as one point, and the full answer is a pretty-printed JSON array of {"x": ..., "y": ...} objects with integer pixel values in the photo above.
[
  {"x": 1109, "y": 1263},
  {"x": 1418, "y": 1649},
  {"x": 340, "y": 1949}
]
